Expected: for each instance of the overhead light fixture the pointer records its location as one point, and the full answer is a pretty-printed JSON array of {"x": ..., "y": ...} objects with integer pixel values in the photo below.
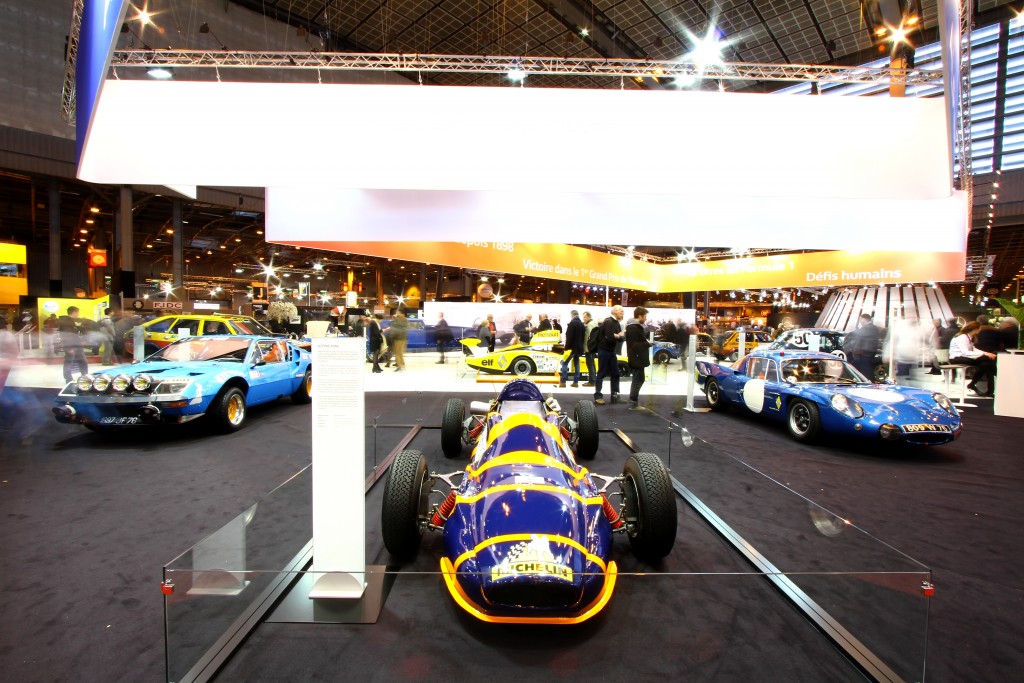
[
  {"x": 161, "y": 73},
  {"x": 96, "y": 209},
  {"x": 516, "y": 75},
  {"x": 318, "y": 266},
  {"x": 238, "y": 270}
]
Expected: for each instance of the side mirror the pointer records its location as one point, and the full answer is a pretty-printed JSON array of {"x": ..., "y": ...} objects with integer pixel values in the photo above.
[{"x": 791, "y": 379}]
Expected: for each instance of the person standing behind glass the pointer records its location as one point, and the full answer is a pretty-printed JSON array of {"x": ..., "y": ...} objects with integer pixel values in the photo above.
[
  {"x": 483, "y": 333},
  {"x": 590, "y": 347},
  {"x": 375, "y": 339},
  {"x": 637, "y": 350},
  {"x": 610, "y": 335},
  {"x": 574, "y": 334},
  {"x": 398, "y": 335},
  {"x": 442, "y": 335},
  {"x": 70, "y": 328},
  {"x": 861, "y": 345}
]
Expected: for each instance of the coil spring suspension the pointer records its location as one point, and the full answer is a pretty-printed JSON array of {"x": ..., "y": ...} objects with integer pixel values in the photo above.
[
  {"x": 475, "y": 430},
  {"x": 610, "y": 512},
  {"x": 443, "y": 512}
]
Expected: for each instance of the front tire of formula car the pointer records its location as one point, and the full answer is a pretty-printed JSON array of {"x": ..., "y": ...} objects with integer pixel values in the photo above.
[
  {"x": 803, "y": 421},
  {"x": 406, "y": 504},
  {"x": 523, "y": 367},
  {"x": 228, "y": 410},
  {"x": 650, "y": 510},
  {"x": 587, "y": 433},
  {"x": 451, "y": 427},
  {"x": 713, "y": 395},
  {"x": 304, "y": 394}
]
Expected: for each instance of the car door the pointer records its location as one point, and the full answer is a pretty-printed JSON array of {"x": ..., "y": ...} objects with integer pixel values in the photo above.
[
  {"x": 271, "y": 373},
  {"x": 732, "y": 383}
]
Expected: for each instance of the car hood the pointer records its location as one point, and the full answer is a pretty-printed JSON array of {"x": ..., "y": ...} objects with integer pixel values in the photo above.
[
  {"x": 163, "y": 369},
  {"x": 883, "y": 399}
]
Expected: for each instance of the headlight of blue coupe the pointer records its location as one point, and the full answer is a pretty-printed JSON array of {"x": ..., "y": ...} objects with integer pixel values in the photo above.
[
  {"x": 121, "y": 383},
  {"x": 84, "y": 383},
  {"x": 101, "y": 383},
  {"x": 944, "y": 403},
  {"x": 845, "y": 406},
  {"x": 142, "y": 382},
  {"x": 172, "y": 386}
]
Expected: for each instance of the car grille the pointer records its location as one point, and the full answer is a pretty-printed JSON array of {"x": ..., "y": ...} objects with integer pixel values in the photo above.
[{"x": 525, "y": 593}]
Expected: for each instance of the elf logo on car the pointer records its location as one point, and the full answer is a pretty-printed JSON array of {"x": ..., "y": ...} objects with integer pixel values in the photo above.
[
  {"x": 487, "y": 362},
  {"x": 533, "y": 558}
]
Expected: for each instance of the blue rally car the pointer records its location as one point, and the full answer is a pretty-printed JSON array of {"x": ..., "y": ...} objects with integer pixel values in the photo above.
[
  {"x": 527, "y": 530},
  {"x": 217, "y": 376},
  {"x": 815, "y": 393}
]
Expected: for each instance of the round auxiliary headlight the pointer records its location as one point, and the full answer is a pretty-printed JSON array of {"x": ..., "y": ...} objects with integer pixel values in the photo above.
[
  {"x": 121, "y": 383},
  {"x": 84, "y": 382},
  {"x": 142, "y": 382},
  {"x": 889, "y": 431},
  {"x": 101, "y": 382}
]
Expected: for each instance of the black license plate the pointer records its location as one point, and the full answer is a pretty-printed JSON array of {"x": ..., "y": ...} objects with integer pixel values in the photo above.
[
  {"x": 119, "y": 420},
  {"x": 911, "y": 429}
]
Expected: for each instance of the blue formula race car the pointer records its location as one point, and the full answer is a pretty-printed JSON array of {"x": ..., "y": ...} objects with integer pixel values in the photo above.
[
  {"x": 527, "y": 530},
  {"x": 215, "y": 376},
  {"x": 817, "y": 393}
]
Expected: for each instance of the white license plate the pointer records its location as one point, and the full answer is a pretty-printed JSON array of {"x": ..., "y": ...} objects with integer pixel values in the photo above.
[
  {"x": 908, "y": 429},
  {"x": 119, "y": 420}
]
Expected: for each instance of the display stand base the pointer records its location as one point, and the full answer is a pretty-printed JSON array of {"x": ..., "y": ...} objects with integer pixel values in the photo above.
[
  {"x": 492, "y": 378},
  {"x": 298, "y": 607}
]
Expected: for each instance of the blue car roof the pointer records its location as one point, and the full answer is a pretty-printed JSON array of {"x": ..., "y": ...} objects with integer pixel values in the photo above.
[{"x": 791, "y": 353}]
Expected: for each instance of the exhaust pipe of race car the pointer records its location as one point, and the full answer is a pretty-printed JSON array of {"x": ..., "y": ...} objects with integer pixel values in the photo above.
[
  {"x": 479, "y": 408},
  {"x": 64, "y": 413}
]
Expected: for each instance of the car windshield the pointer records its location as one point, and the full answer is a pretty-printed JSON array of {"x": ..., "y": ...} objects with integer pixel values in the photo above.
[
  {"x": 821, "y": 371},
  {"x": 250, "y": 326},
  {"x": 204, "y": 348}
]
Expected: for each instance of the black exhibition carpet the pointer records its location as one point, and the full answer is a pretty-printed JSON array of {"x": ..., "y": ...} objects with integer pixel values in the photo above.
[{"x": 89, "y": 521}]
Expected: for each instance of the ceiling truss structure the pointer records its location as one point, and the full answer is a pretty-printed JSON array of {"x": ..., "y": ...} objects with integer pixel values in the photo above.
[{"x": 547, "y": 66}]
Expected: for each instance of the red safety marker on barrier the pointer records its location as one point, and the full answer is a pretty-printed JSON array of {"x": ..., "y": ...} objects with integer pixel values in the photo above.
[
  {"x": 927, "y": 588},
  {"x": 167, "y": 587}
]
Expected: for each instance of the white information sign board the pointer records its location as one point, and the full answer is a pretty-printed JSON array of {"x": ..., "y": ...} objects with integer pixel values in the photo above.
[{"x": 339, "y": 469}]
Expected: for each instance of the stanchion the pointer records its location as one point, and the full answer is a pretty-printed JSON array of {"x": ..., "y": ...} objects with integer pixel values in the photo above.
[{"x": 691, "y": 384}]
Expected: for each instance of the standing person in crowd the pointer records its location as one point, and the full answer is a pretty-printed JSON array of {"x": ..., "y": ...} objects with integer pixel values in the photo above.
[
  {"x": 861, "y": 345},
  {"x": 398, "y": 336},
  {"x": 71, "y": 329},
  {"x": 442, "y": 335},
  {"x": 590, "y": 339},
  {"x": 574, "y": 334},
  {"x": 610, "y": 334},
  {"x": 557, "y": 326},
  {"x": 524, "y": 329},
  {"x": 543, "y": 323},
  {"x": 637, "y": 347},
  {"x": 484, "y": 334},
  {"x": 1010, "y": 330},
  {"x": 375, "y": 338},
  {"x": 49, "y": 330},
  {"x": 106, "y": 331},
  {"x": 963, "y": 352},
  {"x": 494, "y": 332},
  {"x": 682, "y": 340}
]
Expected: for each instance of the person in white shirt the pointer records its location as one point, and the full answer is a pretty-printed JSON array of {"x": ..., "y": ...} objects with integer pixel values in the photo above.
[{"x": 962, "y": 352}]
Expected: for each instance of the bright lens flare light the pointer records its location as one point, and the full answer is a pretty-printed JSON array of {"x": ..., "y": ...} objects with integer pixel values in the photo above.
[{"x": 516, "y": 75}]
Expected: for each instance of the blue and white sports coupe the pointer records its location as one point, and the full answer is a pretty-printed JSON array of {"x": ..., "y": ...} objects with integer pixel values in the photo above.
[
  {"x": 815, "y": 393},
  {"x": 217, "y": 376}
]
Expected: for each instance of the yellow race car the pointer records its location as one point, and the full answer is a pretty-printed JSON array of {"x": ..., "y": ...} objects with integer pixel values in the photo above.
[{"x": 542, "y": 355}]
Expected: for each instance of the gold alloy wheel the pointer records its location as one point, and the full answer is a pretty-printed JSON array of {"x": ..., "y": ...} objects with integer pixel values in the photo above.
[
  {"x": 309, "y": 384},
  {"x": 236, "y": 410}
]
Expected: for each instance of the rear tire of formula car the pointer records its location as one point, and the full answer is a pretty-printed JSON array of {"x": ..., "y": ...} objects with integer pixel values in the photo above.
[
  {"x": 713, "y": 395},
  {"x": 803, "y": 421},
  {"x": 522, "y": 367},
  {"x": 650, "y": 510},
  {"x": 451, "y": 427},
  {"x": 228, "y": 410},
  {"x": 662, "y": 357},
  {"x": 304, "y": 394},
  {"x": 406, "y": 504},
  {"x": 587, "y": 433}
]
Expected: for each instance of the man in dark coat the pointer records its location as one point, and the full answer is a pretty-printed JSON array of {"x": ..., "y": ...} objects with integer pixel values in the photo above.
[
  {"x": 861, "y": 345},
  {"x": 71, "y": 330},
  {"x": 376, "y": 338},
  {"x": 442, "y": 335},
  {"x": 575, "y": 332},
  {"x": 637, "y": 347},
  {"x": 610, "y": 335}
]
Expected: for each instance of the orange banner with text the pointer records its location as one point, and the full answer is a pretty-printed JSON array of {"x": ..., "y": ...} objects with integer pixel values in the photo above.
[{"x": 577, "y": 264}]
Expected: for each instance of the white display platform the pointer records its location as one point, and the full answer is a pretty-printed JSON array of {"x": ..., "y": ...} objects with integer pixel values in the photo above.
[{"x": 1010, "y": 384}]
